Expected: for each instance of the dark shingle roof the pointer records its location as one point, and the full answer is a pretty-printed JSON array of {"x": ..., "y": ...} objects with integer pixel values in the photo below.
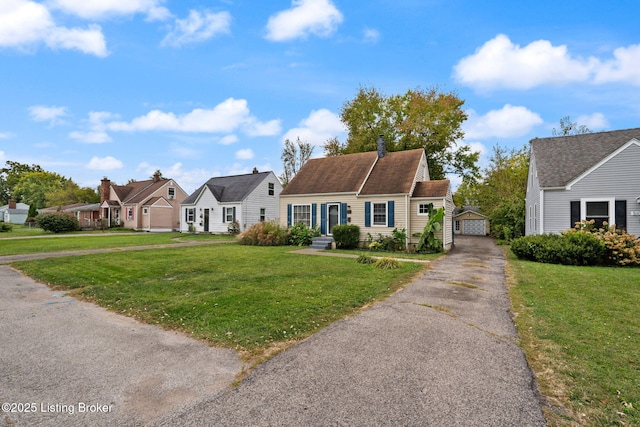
[
  {"x": 392, "y": 174},
  {"x": 438, "y": 188},
  {"x": 227, "y": 189},
  {"x": 560, "y": 160}
]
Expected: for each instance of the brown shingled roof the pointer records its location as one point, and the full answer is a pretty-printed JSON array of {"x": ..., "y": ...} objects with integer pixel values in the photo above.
[
  {"x": 438, "y": 188},
  {"x": 339, "y": 174},
  {"x": 392, "y": 174}
]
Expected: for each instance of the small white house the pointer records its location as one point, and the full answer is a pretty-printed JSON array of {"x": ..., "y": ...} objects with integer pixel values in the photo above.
[
  {"x": 246, "y": 199},
  {"x": 14, "y": 213}
]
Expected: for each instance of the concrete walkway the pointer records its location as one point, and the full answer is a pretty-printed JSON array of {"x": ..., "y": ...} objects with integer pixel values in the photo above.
[{"x": 441, "y": 352}]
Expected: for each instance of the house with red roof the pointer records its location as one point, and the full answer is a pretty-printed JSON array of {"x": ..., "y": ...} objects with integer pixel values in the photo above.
[{"x": 375, "y": 190}]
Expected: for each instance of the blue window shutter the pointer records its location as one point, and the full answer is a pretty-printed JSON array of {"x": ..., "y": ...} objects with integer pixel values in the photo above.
[
  {"x": 224, "y": 214},
  {"x": 289, "y": 215},
  {"x": 323, "y": 218},
  {"x": 343, "y": 213},
  {"x": 314, "y": 214},
  {"x": 391, "y": 218},
  {"x": 367, "y": 214}
]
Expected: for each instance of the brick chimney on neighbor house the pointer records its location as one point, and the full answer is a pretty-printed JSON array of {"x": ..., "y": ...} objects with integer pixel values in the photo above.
[
  {"x": 381, "y": 148},
  {"x": 156, "y": 177},
  {"x": 105, "y": 185},
  {"x": 255, "y": 170},
  {"x": 12, "y": 204}
]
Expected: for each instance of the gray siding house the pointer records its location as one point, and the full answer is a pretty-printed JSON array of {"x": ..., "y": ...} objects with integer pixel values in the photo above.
[
  {"x": 247, "y": 199},
  {"x": 593, "y": 176}
]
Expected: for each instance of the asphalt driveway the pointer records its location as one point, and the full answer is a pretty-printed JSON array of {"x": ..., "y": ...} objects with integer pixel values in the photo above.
[{"x": 442, "y": 351}]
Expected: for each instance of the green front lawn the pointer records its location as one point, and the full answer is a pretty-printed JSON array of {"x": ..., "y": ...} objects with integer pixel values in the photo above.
[
  {"x": 243, "y": 297},
  {"x": 71, "y": 242},
  {"x": 580, "y": 327}
]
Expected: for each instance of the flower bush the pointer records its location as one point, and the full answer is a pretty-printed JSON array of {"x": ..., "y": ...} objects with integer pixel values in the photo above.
[{"x": 621, "y": 248}]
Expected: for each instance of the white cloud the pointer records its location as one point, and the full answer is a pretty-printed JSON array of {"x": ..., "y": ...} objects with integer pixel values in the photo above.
[
  {"x": 508, "y": 122},
  {"x": 595, "y": 121},
  {"x": 244, "y": 154},
  {"x": 41, "y": 113},
  {"x": 228, "y": 139},
  {"x": 371, "y": 35},
  {"x": 104, "y": 163},
  {"x": 317, "y": 17},
  {"x": 226, "y": 117},
  {"x": 316, "y": 129},
  {"x": 198, "y": 27},
  {"x": 500, "y": 63},
  {"x": 90, "y": 137},
  {"x": 97, "y": 9},
  {"x": 625, "y": 67},
  {"x": 24, "y": 23},
  {"x": 6, "y": 135}
]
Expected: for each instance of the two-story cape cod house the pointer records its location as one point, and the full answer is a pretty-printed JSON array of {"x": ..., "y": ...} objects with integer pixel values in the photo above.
[
  {"x": 377, "y": 191},
  {"x": 594, "y": 176}
]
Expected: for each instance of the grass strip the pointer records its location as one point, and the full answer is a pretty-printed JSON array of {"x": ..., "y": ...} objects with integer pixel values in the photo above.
[{"x": 580, "y": 327}]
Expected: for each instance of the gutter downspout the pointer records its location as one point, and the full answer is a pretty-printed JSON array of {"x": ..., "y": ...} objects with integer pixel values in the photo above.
[{"x": 407, "y": 221}]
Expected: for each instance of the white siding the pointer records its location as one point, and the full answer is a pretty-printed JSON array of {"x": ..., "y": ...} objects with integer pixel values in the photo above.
[
  {"x": 618, "y": 178},
  {"x": 260, "y": 198},
  {"x": 532, "y": 223}
]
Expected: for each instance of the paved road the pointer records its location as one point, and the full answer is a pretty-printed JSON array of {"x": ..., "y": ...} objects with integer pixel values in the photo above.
[{"x": 440, "y": 352}]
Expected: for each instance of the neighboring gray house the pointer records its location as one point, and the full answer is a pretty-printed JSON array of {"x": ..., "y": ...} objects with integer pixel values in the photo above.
[
  {"x": 247, "y": 199},
  {"x": 14, "y": 213},
  {"x": 589, "y": 176}
]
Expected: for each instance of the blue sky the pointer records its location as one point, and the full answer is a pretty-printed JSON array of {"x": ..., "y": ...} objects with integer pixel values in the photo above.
[{"x": 197, "y": 88}]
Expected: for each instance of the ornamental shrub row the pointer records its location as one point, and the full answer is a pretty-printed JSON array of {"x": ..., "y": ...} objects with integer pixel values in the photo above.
[{"x": 583, "y": 245}]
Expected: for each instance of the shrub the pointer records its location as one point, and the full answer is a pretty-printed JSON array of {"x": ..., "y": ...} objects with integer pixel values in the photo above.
[
  {"x": 5, "y": 227},
  {"x": 57, "y": 223},
  {"x": 365, "y": 259},
  {"x": 301, "y": 235},
  {"x": 396, "y": 242},
  {"x": 266, "y": 233},
  {"x": 621, "y": 248},
  {"x": 347, "y": 236},
  {"x": 387, "y": 263},
  {"x": 568, "y": 249},
  {"x": 233, "y": 228}
]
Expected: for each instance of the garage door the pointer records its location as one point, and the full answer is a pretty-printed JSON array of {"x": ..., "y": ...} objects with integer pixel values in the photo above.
[{"x": 474, "y": 227}]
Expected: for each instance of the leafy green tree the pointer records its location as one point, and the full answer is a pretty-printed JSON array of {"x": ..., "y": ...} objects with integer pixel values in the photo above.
[
  {"x": 70, "y": 192},
  {"x": 9, "y": 177},
  {"x": 33, "y": 187},
  {"x": 294, "y": 156},
  {"x": 426, "y": 119}
]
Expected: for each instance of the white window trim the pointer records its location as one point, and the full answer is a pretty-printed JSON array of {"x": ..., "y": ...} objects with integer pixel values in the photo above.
[
  {"x": 228, "y": 209},
  {"x": 610, "y": 200},
  {"x": 190, "y": 212},
  {"x": 373, "y": 214},
  {"x": 293, "y": 213},
  {"x": 418, "y": 210}
]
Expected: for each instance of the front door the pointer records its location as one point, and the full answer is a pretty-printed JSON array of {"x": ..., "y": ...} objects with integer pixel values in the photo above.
[
  {"x": 206, "y": 220},
  {"x": 333, "y": 216}
]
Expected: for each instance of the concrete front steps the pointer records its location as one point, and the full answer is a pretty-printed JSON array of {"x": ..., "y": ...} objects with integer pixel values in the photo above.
[{"x": 321, "y": 243}]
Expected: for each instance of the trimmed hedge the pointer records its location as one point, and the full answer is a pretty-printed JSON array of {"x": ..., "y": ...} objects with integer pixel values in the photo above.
[
  {"x": 57, "y": 223},
  {"x": 347, "y": 236},
  {"x": 567, "y": 249}
]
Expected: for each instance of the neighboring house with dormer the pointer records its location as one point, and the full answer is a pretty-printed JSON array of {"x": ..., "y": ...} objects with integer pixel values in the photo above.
[
  {"x": 14, "y": 212},
  {"x": 594, "y": 176},
  {"x": 246, "y": 199},
  {"x": 376, "y": 191},
  {"x": 150, "y": 205}
]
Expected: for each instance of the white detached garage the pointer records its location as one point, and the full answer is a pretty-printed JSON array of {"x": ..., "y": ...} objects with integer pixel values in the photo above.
[{"x": 470, "y": 223}]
